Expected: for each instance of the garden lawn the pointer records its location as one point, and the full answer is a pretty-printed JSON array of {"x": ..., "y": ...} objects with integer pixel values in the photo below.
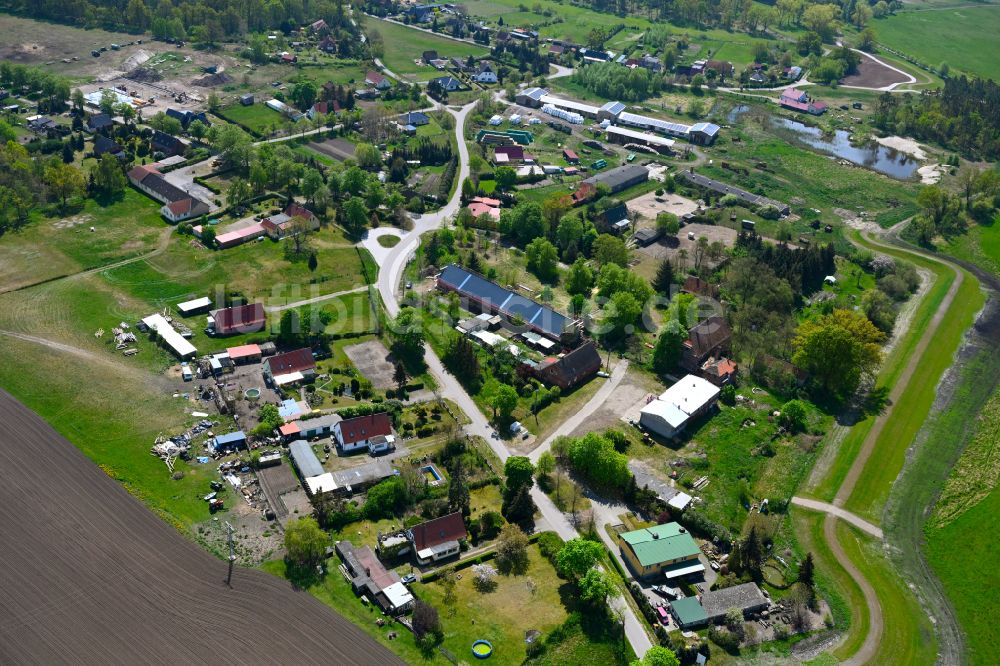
[
  {"x": 403, "y": 45},
  {"x": 50, "y": 247},
  {"x": 258, "y": 118},
  {"x": 965, "y": 37},
  {"x": 334, "y": 591},
  {"x": 503, "y": 615}
]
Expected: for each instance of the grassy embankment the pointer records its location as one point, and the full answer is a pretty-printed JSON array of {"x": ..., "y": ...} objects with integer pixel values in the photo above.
[{"x": 906, "y": 632}]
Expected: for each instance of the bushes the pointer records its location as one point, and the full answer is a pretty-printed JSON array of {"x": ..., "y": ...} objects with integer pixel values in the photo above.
[
  {"x": 698, "y": 522},
  {"x": 549, "y": 545}
]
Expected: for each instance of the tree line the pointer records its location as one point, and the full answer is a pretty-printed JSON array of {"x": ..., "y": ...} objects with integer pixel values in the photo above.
[
  {"x": 200, "y": 21},
  {"x": 964, "y": 116}
]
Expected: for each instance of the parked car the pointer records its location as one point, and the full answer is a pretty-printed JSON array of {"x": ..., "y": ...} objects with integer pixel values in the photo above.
[
  {"x": 662, "y": 615},
  {"x": 715, "y": 566},
  {"x": 216, "y": 485},
  {"x": 409, "y": 578}
]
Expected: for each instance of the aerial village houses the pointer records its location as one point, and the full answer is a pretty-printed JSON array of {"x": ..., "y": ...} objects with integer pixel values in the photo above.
[
  {"x": 355, "y": 434},
  {"x": 290, "y": 368},
  {"x": 712, "y": 606},
  {"x": 178, "y": 204},
  {"x": 572, "y": 369},
  {"x": 437, "y": 539},
  {"x": 294, "y": 220},
  {"x": 480, "y": 206},
  {"x": 707, "y": 339},
  {"x": 377, "y": 81},
  {"x": 662, "y": 552},
  {"x": 248, "y": 318},
  {"x": 369, "y": 577}
]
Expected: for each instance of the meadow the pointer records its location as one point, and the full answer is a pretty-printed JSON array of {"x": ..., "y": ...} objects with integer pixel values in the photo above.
[
  {"x": 258, "y": 118},
  {"x": 403, "y": 45},
  {"x": 964, "y": 37},
  {"x": 49, "y": 247}
]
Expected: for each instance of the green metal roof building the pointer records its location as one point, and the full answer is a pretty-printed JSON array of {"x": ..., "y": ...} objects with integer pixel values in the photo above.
[
  {"x": 664, "y": 550},
  {"x": 689, "y": 612}
]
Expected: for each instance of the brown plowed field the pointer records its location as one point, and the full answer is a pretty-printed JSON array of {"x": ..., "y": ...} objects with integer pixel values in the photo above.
[{"x": 89, "y": 575}]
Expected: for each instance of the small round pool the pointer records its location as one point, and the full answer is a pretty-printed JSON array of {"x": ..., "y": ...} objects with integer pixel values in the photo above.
[
  {"x": 482, "y": 649},
  {"x": 252, "y": 394}
]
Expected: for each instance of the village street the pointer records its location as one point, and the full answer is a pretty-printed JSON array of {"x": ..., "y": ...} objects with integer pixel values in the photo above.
[{"x": 391, "y": 263}]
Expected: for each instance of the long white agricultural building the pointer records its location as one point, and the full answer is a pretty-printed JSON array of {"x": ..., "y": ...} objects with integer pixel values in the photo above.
[{"x": 170, "y": 337}]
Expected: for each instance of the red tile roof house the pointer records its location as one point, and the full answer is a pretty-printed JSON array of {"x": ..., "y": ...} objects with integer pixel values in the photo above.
[
  {"x": 485, "y": 206},
  {"x": 507, "y": 154},
  {"x": 283, "y": 225},
  {"x": 290, "y": 368},
  {"x": 572, "y": 369},
  {"x": 437, "y": 539},
  {"x": 378, "y": 81},
  {"x": 353, "y": 434},
  {"x": 240, "y": 319},
  {"x": 795, "y": 99}
]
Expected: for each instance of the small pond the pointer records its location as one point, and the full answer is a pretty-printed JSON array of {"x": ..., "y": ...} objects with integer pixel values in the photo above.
[
  {"x": 736, "y": 112},
  {"x": 871, "y": 156}
]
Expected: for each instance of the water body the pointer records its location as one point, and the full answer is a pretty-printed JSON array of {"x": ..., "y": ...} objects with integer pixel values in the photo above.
[
  {"x": 736, "y": 112},
  {"x": 871, "y": 156}
]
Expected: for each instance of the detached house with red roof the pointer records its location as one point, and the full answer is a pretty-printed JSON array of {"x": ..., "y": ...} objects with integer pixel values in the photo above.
[
  {"x": 377, "y": 81},
  {"x": 355, "y": 434},
  {"x": 797, "y": 100},
  {"x": 290, "y": 367},
  {"x": 291, "y": 222},
  {"x": 239, "y": 319},
  {"x": 438, "y": 539}
]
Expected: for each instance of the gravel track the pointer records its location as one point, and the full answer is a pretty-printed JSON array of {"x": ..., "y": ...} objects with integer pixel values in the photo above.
[{"x": 92, "y": 576}]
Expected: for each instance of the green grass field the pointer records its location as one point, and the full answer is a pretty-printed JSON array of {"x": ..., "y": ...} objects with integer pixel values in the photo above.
[
  {"x": 965, "y": 37},
  {"x": 403, "y": 45},
  {"x": 909, "y": 414},
  {"x": 794, "y": 172},
  {"x": 969, "y": 574},
  {"x": 539, "y": 599},
  {"x": 979, "y": 245},
  {"x": 257, "y": 117},
  {"x": 50, "y": 247},
  {"x": 907, "y": 635}
]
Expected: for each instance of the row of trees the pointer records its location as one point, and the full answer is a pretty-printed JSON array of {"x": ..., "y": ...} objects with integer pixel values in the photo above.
[{"x": 612, "y": 81}]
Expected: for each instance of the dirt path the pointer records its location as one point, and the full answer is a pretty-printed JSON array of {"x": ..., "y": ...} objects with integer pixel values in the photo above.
[
  {"x": 843, "y": 514},
  {"x": 316, "y": 299},
  {"x": 847, "y": 487},
  {"x": 872, "y": 641},
  {"x": 876, "y": 620},
  {"x": 162, "y": 243}
]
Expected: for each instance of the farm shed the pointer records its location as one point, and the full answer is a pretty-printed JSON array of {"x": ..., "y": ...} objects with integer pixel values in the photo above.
[
  {"x": 304, "y": 459},
  {"x": 491, "y": 297},
  {"x": 230, "y": 441},
  {"x": 668, "y": 414},
  {"x": 193, "y": 307},
  {"x": 247, "y": 318},
  {"x": 169, "y": 336}
]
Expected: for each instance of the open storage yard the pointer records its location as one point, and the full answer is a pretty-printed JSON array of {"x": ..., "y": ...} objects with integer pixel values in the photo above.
[{"x": 93, "y": 575}]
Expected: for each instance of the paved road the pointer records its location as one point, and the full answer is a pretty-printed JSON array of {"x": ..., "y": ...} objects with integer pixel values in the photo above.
[
  {"x": 838, "y": 512},
  {"x": 575, "y": 421}
]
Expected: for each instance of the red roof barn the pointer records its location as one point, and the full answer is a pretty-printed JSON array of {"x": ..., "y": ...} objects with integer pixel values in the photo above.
[{"x": 240, "y": 319}]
